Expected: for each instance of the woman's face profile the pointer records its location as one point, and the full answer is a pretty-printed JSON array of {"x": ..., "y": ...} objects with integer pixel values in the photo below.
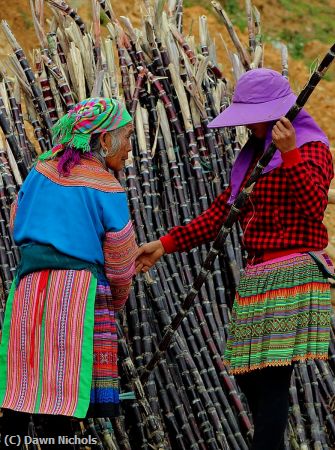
[
  {"x": 120, "y": 143},
  {"x": 258, "y": 129}
]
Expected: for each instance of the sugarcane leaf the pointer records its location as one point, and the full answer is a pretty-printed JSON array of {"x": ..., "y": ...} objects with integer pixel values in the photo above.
[
  {"x": 159, "y": 8},
  {"x": 37, "y": 14}
]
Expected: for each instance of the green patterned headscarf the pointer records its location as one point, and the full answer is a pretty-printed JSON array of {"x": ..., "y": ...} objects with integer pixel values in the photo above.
[{"x": 92, "y": 115}]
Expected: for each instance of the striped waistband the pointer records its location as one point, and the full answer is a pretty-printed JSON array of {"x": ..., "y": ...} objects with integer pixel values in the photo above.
[{"x": 261, "y": 256}]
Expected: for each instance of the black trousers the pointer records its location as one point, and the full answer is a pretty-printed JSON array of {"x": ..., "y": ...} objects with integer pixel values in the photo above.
[
  {"x": 14, "y": 423},
  {"x": 267, "y": 392}
]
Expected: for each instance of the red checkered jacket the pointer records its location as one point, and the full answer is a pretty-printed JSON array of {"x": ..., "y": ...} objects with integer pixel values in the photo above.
[{"x": 283, "y": 214}]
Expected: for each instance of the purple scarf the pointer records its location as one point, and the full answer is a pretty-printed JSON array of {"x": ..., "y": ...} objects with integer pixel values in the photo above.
[{"x": 306, "y": 130}]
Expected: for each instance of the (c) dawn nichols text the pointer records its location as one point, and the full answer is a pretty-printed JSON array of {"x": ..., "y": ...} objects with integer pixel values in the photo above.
[{"x": 16, "y": 439}]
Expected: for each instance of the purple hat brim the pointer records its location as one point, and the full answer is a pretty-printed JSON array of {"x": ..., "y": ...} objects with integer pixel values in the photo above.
[{"x": 248, "y": 113}]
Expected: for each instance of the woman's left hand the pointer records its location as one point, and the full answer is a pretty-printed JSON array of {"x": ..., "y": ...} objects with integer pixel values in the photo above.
[{"x": 283, "y": 135}]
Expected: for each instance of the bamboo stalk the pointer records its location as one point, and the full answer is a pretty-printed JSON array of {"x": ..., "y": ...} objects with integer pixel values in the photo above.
[
  {"x": 124, "y": 72},
  {"x": 37, "y": 95},
  {"x": 284, "y": 60},
  {"x": 36, "y": 126},
  {"x": 18, "y": 121},
  {"x": 97, "y": 33},
  {"x": 11, "y": 139},
  {"x": 244, "y": 57},
  {"x": 62, "y": 84},
  {"x": 37, "y": 14},
  {"x": 107, "y": 8},
  {"x": 156, "y": 433},
  {"x": 182, "y": 41},
  {"x": 139, "y": 84},
  {"x": 179, "y": 15},
  {"x": 65, "y": 8},
  {"x": 47, "y": 93},
  {"x": 257, "y": 60},
  {"x": 251, "y": 27}
]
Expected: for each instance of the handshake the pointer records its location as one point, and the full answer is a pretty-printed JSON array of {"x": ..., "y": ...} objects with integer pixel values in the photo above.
[{"x": 148, "y": 255}]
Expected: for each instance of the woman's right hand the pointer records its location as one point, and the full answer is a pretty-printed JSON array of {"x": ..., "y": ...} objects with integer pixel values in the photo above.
[{"x": 148, "y": 255}]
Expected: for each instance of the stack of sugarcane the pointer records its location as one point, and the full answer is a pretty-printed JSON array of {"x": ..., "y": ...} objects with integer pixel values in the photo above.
[{"x": 173, "y": 88}]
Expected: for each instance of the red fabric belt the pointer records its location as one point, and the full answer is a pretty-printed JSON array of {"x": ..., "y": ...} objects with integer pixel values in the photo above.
[{"x": 261, "y": 256}]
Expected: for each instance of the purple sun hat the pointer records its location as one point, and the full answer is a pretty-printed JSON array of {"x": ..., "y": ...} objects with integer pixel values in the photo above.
[{"x": 261, "y": 95}]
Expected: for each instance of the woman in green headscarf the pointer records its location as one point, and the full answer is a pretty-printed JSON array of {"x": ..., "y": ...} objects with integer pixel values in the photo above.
[{"x": 58, "y": 353}]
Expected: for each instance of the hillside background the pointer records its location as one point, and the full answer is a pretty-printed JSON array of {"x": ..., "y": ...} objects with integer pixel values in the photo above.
[{"x": 307, "y": 27}]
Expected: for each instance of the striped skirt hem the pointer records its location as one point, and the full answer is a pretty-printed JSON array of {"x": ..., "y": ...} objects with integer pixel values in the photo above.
[
  {"x": 277, "y": 363},
  {"x": 281, "y": 314}
]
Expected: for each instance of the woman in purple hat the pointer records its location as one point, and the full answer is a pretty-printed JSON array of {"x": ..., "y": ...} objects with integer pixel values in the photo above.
[{"x": 281, "y": 312}]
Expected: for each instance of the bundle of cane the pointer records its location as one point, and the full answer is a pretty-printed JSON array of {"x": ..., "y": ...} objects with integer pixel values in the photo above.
[
  {"x": 178, "y": 167},
  {"x": 149, "y": 202}
]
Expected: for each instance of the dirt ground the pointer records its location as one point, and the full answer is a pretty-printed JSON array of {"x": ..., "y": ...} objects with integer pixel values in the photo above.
[{"x": 320, "y": 105}]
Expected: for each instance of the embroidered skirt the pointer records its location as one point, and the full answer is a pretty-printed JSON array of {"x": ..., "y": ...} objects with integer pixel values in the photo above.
[
  {"x": 58, "y": 353},
  {"x": 104, "y": 398},
  {"x": 281, "y": 314}
]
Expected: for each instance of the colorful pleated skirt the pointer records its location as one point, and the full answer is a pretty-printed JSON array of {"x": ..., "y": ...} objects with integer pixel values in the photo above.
[
  {"x": 281, "y": 314},
  {"x": 58, "y": 353}
]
